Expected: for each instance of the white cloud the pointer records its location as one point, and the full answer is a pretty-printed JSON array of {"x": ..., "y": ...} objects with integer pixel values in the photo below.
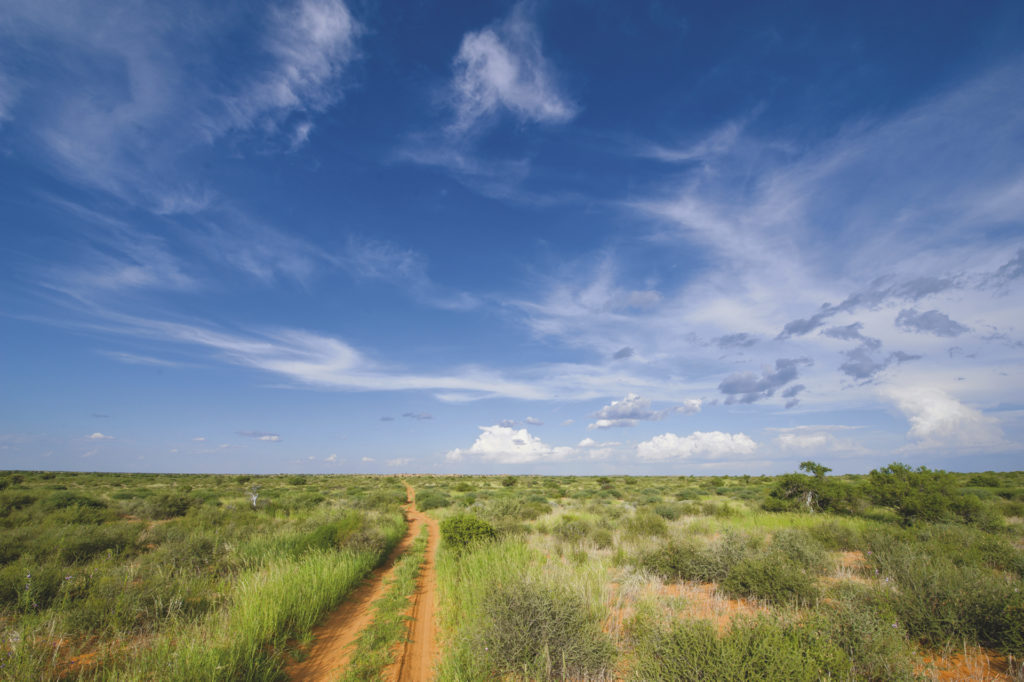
[
  {"x": 633, "y": 408},
  {"x": 331, "y": 458},
  {"x": 509, "y": 446},
  {"x": 819, "y": 438},
  {"x": 939, "y": 421},
  {"x": 533, "y": 421},
  {"x": 502, "y": 67},
  {"x": 367, "y": 459},
  {"x": 399, "y": 462},
  {"x": 699, "y": 444},
  {"x": 200, "y": 439},
  {"x": 261, "y": 435},
  {"x": 100, "y": 436}
]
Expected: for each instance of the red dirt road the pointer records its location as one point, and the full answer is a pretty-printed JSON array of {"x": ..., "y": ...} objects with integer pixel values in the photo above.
[
  {"x": 335, "y": 638},
  {"x": 420, "y": 652}
]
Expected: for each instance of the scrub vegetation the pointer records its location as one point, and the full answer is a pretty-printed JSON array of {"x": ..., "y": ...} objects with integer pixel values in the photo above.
[
  {"x": 900, "y": 574},
  {"x": 179, "y": 577}
]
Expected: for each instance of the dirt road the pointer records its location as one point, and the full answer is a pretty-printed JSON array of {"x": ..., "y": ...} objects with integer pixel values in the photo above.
[
  {"x": 416, "y": 662},
  {"x": 335, "y": 638}
]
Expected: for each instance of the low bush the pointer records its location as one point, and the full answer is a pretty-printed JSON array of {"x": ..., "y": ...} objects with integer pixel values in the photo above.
[
  {"x": 751, "y": 649},
  {"x": 770, "y": 576},
  {"x": 462, "y": 530},
  {"x": 542, "y": 630},
  {"x": 432, "y": 499},
  {"x": 645, "y": 523}
]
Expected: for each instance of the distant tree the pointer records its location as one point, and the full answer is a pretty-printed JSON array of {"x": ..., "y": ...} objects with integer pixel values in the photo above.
[
  {"x": 812, "y": 492},
  {"x": 914, "y": 494}
]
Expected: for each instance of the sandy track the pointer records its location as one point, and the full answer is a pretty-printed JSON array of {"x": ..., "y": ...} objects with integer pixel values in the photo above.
[
  {"x": 335, "y": 638},
  {"x": 420, "y": 651}
]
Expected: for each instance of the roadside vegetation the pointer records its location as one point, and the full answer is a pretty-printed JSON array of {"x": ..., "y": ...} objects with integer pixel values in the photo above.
[
  {"x": 901, "y": 574},
  {"x": 805, "y": 576},
  {"x": 116, "y": 576}
]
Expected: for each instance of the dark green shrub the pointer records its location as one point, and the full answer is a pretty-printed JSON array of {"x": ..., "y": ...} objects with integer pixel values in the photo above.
[
  {"x": 508, "y": 481},
  {"x": 296, "y": 480},
  {"x": 915, "y": 494},
  {"x": 572, "y": 529},
  {"x": 752, "y": 649},
  {"x": 682, "y": 560},
  {"x": 167, "y": 506},
  {"x": 801, "y": 548},
  {"x": 12, "y": 501},
  {"x": 772, "y": 577},
  {"x": 539, "y": 630},
  {"x": 835, "y": 536},
  {"x": 62, "y": 499},
  {"x": 81, "y": 543},
  {"x": 987, "y": 479},
  {"x": 671, "y": 512},
  {"x": 874, "y": 641},
  {"x": 463, "y": 530},
  {"x": 602, "y": 537},
  {"x": 432, "y": 499},
  {"x": 646, "y": 523}
]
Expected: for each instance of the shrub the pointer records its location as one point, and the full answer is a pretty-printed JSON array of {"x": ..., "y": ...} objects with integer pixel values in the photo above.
[
  {"x": 432, "y": 499},
  {"x": 915, "y": 494},
  {"x": 541, "y": 630},
  {"x": 798, "y": 546},
  {"x": 987, "y": 479},
  {"x": 508, "y": 481},
  {"x": 645, "y": 523},
  {"x": 62, "y": 499},
  {"x": 772, "y": 577},
  {"x": 602, "y": 537},
  {"x": 572, "y": 529},
  {"x": 79, "y": 544},
  {"x": 296, "y": 480},
  {"x": 463, "y": 530},
  {"x": 167, "y": 506},
  {"x": 765, "y": 648},
  {"x": 682, "y": 560},
  {"x": 667, "y": 511}
]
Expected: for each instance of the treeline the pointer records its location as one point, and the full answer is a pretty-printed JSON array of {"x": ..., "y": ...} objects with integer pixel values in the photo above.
[{"x": 920, "y": 494}]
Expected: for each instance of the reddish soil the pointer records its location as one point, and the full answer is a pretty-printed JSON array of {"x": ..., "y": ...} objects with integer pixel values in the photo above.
[
  {"x": 420, "y": 650},
  {"x": 973, "y": 663},
  {"x": 334, "y": 640}
]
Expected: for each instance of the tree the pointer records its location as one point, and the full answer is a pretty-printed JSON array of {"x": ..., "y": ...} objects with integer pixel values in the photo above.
[
  {"x": 914, "y": 494},
  {"x": 814, "y": 492}
]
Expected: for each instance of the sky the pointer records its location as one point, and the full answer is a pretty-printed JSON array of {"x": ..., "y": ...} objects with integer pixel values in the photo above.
[{"x": 490, "y": 237}]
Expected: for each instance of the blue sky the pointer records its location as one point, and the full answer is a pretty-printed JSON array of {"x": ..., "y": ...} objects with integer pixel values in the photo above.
[{"x": 575, "y": 237}]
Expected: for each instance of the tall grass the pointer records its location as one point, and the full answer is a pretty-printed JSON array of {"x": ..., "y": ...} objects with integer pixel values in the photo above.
[{"x": 507, "y": 611}]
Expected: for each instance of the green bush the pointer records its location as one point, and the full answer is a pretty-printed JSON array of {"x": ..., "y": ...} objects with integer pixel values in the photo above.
[
  {"x": 645, "y": 523},
  {"x": 682, "y": 560},
  {"x": 752, "y": 649},
  {"x": 540, "y": 630},
  {"x": 463, "y": 530},
  {"x": 572, "y": 529},
  {"x": 432, "y": 499},
  {"x": 772, "y": 577},
  {"x": 508, "y": 481},
  {"x": 167, "y": 506}
]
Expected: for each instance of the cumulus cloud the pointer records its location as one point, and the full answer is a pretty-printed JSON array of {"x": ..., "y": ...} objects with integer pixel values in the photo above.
[
  {"x": 747, "y": 387},
  {"x": 503, "y": 67},
  {"x": 817, "y": 438},
  {"x": 930, "y": 322},
  {"x": 100, "y": 436},
  {"x": 261, "y": 435},
  {"x": 633, "y": 408},
  {"x": 699, "y": 444},
  {"x": 937, "y": 420},
  {"x": 508, "y": 445}
]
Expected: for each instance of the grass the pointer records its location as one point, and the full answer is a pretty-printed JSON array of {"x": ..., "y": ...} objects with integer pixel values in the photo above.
[{"x": 570, "y": 577}]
